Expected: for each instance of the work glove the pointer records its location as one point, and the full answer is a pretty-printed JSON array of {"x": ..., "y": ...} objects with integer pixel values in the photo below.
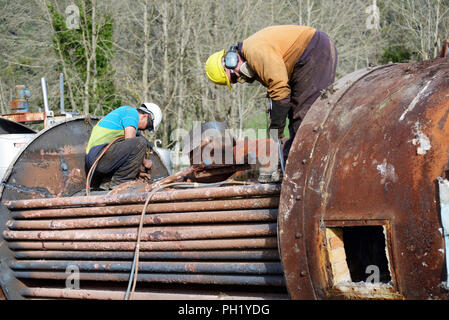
[{"x": 278, "y": 115}]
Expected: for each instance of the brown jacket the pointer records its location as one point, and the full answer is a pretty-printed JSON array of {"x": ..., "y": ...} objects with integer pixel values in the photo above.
[{"x": 272, "y": 53}]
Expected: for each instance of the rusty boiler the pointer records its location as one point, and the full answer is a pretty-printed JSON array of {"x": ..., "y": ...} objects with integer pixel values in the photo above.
[{"x": 360, "y": 214}]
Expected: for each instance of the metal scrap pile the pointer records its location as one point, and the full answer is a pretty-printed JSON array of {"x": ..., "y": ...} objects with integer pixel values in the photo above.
[
  {"x": 206, "y": 232},
  {"x": 216, "y": 158}
]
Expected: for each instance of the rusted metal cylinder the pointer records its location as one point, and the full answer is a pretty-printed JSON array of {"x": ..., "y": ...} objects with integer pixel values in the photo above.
[
  {"x": 210, "y": 244},
  {"x": 362, "y": 176},
  {"x": 161, "y": 196},
  {"x": 253, "y": 280},
  {"x": 236, "y": 255},
  {"x": 120, "y": 295},
  {"x": 154, "y": 219},
  {"x": 154, "y": 267},
  {"x": 240, "y": 204},
  {"x": 171, "y": 233}
]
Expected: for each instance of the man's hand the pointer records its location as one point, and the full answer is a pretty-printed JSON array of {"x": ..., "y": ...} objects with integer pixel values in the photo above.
[
  {"x": 147, "y": 163},
  {"x": 145, "y": 175}
]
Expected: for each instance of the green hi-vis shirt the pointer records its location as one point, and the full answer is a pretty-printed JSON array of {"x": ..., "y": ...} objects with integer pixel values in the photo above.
[{"x": 112, "y": 126}]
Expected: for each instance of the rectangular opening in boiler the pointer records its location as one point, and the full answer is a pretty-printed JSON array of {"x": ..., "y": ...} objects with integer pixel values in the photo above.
[{"x": 358, "y": 254}]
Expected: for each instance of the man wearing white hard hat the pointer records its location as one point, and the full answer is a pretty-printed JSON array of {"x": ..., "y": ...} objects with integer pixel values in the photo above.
[{"x": 123, "y": 159}]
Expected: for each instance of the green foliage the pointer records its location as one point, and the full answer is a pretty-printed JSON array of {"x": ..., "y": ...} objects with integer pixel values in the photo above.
[
  {"x": 259, "y": 121},
  {"x": 75, "y": 44},
  {"x": 395, "y": 54}
]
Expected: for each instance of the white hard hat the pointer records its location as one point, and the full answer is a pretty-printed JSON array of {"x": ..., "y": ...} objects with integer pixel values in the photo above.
[{"x": 154, "y": 111}]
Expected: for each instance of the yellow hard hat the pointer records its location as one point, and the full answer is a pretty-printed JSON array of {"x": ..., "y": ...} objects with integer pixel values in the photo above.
[{"x": 214, "y": 69}]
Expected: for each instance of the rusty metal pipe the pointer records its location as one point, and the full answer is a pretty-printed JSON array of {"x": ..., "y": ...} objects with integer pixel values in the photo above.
[
  {"x": 155, "y": 219},
  {"x": 161, "y": 196},
  {"x": 120, "y": 295},
  {"x": 154, "y": 267},
  {"x": 212, "y": 205},
  {"x": 248, "y": 255},
  {"x": 254, "y": 280},
  {"x": 149, "y": 234},
  {"x": 246, "y": 243}
]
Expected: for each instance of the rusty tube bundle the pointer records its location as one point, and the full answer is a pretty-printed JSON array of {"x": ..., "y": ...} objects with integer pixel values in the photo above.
[{"x": 221, "y": 236}]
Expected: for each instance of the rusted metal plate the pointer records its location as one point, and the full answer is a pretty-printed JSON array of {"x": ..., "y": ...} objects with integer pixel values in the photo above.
[
  {"x": 370, "y": 155},
  {"x": 26, "y": 117},
  {"x": 52, "y": 164}
]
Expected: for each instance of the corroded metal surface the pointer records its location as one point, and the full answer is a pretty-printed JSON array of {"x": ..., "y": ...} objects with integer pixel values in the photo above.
[
  {"x": 167, "y": 278},
  {"x": 154, "y": 219},
  {"x": 52, "y": 164},
  {"x": 268, "y": 255},
  {"x": 215, "y": 238},
  {"x": 170, "y": 233},
  {"x": 370, "y": 155},
  {"x": 209, "y": 244},
  {"x": 234, "y": 204},
  {"x": 166, "y": 295},
  {"x": 161, "y": 196},
  {"x": 157, "y": 267},
  {"x": 26, "y": 117}
]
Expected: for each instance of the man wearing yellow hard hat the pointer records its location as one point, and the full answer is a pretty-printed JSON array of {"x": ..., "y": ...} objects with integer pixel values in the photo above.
[{"x": 295, "y": 63}]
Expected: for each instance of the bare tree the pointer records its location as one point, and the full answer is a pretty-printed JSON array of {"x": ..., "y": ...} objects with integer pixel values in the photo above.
[
  {"x": 422, "y": 22},
  {"x": 161, "y": 48}
]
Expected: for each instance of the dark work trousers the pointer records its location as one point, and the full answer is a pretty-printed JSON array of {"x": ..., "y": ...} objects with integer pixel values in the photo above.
[
  {"x": 123, "y": 159},
  {"x": 314, "y": 72}
]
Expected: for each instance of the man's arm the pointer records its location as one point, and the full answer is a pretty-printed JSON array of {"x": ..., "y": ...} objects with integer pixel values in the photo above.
[
  {"x": 270, "y": 68},
  {"x": 130, "y": 132}
]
